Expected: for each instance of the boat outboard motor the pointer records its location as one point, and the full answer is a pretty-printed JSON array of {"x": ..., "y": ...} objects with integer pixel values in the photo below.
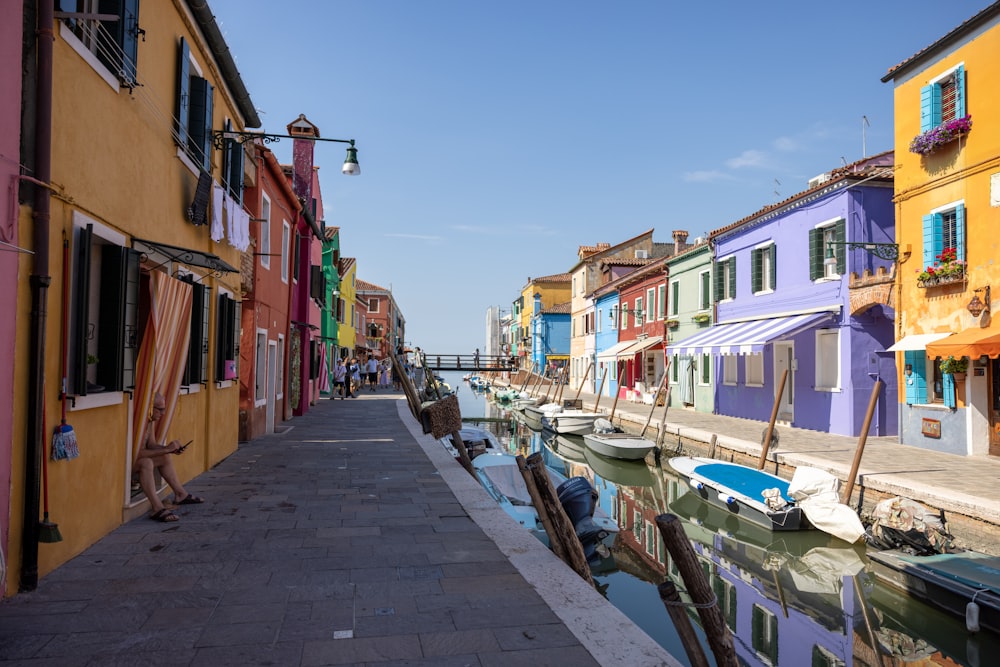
[{"x": 579, "y": 499}]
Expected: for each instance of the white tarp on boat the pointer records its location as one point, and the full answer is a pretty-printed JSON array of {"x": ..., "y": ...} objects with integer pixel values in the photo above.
[{"x": 817, "y": 492}]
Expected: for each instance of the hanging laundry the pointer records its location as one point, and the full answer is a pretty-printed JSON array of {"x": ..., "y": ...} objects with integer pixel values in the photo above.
[{"x": 217, "y": 231}]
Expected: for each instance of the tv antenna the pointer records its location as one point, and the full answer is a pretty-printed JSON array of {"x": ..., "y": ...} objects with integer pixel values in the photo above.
[
  {"x": 864, "y": 147},
  {"x": 777, "y": 184}
]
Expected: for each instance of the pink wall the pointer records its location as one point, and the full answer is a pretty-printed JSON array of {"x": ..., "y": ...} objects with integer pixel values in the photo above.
[{"x": 10, "y": 138}]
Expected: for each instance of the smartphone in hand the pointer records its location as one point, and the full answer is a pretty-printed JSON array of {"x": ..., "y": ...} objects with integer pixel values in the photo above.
[{"x": 183, "y": 447}]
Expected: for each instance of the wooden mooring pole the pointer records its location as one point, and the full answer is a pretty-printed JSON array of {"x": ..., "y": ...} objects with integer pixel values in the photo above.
[
  {"x": 685, "y": 631},
  {"x": 862, "y": 438},
  {"x": 770, "y": 425},
  {"x": 702, "y": 597}
]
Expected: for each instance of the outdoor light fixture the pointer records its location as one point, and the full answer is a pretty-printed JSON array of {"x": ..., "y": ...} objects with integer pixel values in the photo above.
[
  {"x": 977, "y": 306},
  {"x": 613, "y": 313},
  {"x": 889, "y": 251},
  {"x": 220, "y": 137}
]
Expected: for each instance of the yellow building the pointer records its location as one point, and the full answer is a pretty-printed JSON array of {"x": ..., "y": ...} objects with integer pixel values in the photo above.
[
  {"x": 947, "y": 194},
  {"x": 586, "y": 276},
  {"x": 554, "y": 290},
  {"x": 347, "y": 312},
  {"x": 130, "y": 218}
]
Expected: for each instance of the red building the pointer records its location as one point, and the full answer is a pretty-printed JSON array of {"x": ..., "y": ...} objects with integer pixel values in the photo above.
[
  {"x": 642, "y": 316},
  {"x": 384, "y": 326}
]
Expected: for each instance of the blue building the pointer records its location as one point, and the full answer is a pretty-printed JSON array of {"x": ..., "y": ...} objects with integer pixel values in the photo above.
[{"x": 550, "y": 334}]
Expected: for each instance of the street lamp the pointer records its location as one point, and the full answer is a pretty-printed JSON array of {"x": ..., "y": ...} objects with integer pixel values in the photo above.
[
  {"x": 887, "y": 251},
  {"x": 613, "y": 313},
  {"x": 220, "y": 137}
]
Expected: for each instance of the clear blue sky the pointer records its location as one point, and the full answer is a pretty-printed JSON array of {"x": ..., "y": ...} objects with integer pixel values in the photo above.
[{"x": 496, "y": 137}]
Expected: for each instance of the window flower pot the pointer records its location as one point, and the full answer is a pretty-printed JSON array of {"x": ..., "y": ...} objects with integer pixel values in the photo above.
[{"x": 942, "y": 135}]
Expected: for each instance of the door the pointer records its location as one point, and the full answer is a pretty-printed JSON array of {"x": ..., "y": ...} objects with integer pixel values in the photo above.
[
  {"x": 994, "y": 407},
  {"x": 784, "y": 359},
  {"x": 272, "y": 371}
]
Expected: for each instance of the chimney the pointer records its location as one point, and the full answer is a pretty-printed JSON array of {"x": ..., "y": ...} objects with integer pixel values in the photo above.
[
  {"x": 680, "y": 240},
  {"x": 302, "y": 157}
]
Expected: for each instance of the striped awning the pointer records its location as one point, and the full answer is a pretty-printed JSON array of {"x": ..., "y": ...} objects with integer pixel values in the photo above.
[{"x": 746, "y": 337}]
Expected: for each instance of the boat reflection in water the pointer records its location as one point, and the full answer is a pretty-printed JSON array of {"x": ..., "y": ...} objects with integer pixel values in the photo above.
[{"x": 790, "y": 599}]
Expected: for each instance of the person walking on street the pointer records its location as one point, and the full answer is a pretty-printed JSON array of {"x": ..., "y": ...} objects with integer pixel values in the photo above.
[
  {"x": 339, "y": 375},
  {"x": 418, "y": 368},
  {"x": 353, "y": 377},
  {"x": 371, "y": 370}
]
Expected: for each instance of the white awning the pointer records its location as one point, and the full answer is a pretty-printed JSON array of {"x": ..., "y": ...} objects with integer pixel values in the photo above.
[
  {"x": 613, "y": 351},
  {"x": 638, "y": 346},
  {"x": 916, "y": 341},
  {"x": 746, "y": 337}
]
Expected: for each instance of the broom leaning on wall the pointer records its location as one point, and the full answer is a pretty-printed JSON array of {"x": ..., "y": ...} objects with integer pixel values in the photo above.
[{"x": 64, "y": 444}]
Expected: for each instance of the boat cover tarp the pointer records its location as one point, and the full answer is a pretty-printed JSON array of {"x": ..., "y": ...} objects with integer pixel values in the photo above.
[
  {"x": 971, "y": 568},
  {"x": 822, "y": 569},
  {"x": 817, "y": 493}
]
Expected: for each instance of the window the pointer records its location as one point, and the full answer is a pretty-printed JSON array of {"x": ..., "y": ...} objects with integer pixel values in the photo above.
[
  {"x": 233, "y": 157},
  {"x": 944, "y": 228},
  {"x": 279, "y": 366},
  {"x": 675, "y": 298},
  {"x": 755, "y": 369},
  {"x": 725, "y": 279},
  {"x": 373, "y": 305},
  {"x": 113, "y": 42},
  {"x": 828, "y": 360},
  {"x": 729, "y": 369},
  {"x": 725, "y": 593},
  {"x": 651, "y": 302},
  {"x": 105, "y": 306},
  {"x": 260, "y": 370},
  {"x": 196, "y": 370},
  {"x": 704, "y": 291},
  {"x": 193, "y": 110},
  {"x": 600, "y": 314},
  {"x": 227, "y": 338},
  {"x": 674, "y": 363},
  {"x": 286, "y": 239},
  {"x": 764, "y": 634},
  {"x": 639, "y": 315},
  {"x": 662, "y": 301},
  {"x": 706, "y": 369},
  {"x": 762, "y": 262},
  {"x": 265, "y": 233},
  {"x": 819, "y": 237},
  {"x": 943, "y": 99},
  {"x": 624, "y": 313},
  {"x": 317, "y": 285},
  {"x": 614, "y": 317}
]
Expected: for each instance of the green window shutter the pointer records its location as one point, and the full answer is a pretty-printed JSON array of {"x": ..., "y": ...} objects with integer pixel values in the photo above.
[
  {"x": 815, "y": 254},
  {"x": 206, "y": 303},
  {"x": 916, "y": 383},
  {"x": 675, "y": 296},
  {"x": 81, "y": 297},
  {"x": 194, "y": 370},
  {"x": 222, "y": 336},
  {"x": 706, "y": 286},
  {"x": 235, "y": 156},
  {"x": 960, "y": 92},
  {"x": 840, "y": 236},
  {"x": 732, "y": 277},
  {"x": 200, "y": 121},
  {"x": 111, "y": 317},
  {"x": 926, "y": 108},
  {"x": 719, "y": 281},
  {"x": 756, "y": 270},
  {"x": 774, "y": 265},
  {"x": 182, "y": 108},
  {"x": 960, "y": 231}
]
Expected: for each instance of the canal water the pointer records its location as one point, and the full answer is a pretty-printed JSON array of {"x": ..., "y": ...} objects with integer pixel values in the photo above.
[{"x": 790, "y": 599}]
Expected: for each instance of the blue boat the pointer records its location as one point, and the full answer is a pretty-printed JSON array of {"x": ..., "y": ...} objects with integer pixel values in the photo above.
[{"x": 739, "y": 489}]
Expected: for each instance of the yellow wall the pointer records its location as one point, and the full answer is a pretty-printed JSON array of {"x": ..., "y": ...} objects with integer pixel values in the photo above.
[
  {"x": 114, "y": 160},
  {"x": 552, "y": 293},
  {"x": 960, "y": 171},
  {"x": 346, "y": 334}
]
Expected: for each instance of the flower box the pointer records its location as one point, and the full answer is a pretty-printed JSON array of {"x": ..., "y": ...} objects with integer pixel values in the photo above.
[
  {"x": 947, "y": 269},
  {"x": 672, "y": 324},
  {"x": 701, "y": 318},
  {"x": 942, "y": 135}
]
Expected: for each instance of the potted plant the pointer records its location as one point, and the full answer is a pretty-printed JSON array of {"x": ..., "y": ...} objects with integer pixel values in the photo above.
[
  {"x": 955, "y": 367},
  {"x": 947, "y": 268},
  {"x": 701, "y": 318},
  {"x": 672, "y": 324},
  {"x": 936, "y": 137}
]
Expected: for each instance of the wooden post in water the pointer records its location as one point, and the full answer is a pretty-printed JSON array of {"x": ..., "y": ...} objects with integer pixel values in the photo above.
[
  {"x": 555, "y": 540},
  {"x": 600, "y": 390},
  {"x": 862, "y": 438},
  {"x": 702, "y": 596},
  {"x": 411, "y": 395},
  {"x": 527, "y": 377},
  {"x": 649, "y": 418},
  {"x": 662, "y": 435},
  {"x": 675, "y": 608},
  {"x": 463, "y": 453},
  {"x": 618, "y": 390},
  {"x": 563, "y": 526},
  {"x": 563, "y": 380},
  {"x": 770, "y": 425},
  {"x": 586, "y": 374}
]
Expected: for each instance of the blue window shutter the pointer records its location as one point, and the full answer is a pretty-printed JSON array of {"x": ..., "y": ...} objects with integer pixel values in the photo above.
[
  {"x": 926, "y": 104},
  {"x": 960, "y": 92},
  {"x": 948, "y": 390},
  {"x": 960, "y": 231},
  {"x": 183, "y": 92},
  {"x": 916, "y": 383},
  {"x": 935, "y": 105},
  {"x": 929, "y": 240},
  {"x": 130, "y": 40}
]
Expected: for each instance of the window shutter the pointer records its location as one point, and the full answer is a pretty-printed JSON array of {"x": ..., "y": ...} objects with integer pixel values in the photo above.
[
  {"x": 235, "y": 156},
  {"x": 840, "y": 251},
  {"x": 756, "y": 277},
  {"x": 200, "y": 121},
  {"x": 960, "y": 231},
  {"x": 316, "y": 282},
  {"x": 82, "y": 305},
  {"x": 130, "y": 41},
  {"x": 932, "y": 238},
  {"x": 675, "y": 298},
  {"x": 223, "y": 337},
  {"x": 732, "y": 277},
  {"x": 960, "y": 92},
  {"x": 706, "y": 286},
  {"x": 926, "y": 108},
  {"x": 916, "y": 384},
  {"x": 194, "y": 371},
  {"x": 815, "y": 254},
  {"x": 111, "y": 318},
  {"x": 774, "y": 265},
  {"x": 182, "y": 108}
]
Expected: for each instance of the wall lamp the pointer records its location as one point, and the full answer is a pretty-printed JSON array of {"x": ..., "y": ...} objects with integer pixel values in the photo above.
[
  {"x": 977, "y": 306},
  {"x": 613, "y": 313},
  {"x": 888, "y": 251},
  {"x": 350, "y": 168}
]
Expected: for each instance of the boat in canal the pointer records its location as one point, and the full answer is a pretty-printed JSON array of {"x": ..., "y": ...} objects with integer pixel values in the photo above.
[
  {"x": 619, "y": 445},
  {"x": 966, "y": 583},
  {"x": 477, "y": 441},
  {"x": 619, "y": 471},
  {"x": 571, "y": 422},
  {"x": 569, "y": 448}
]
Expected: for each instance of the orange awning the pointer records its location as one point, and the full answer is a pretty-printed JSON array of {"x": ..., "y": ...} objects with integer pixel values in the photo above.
[{"x": 970, "y": 343}]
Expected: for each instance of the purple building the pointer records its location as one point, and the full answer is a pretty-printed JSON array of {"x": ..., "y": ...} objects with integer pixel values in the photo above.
[{"x": 793, "y": 294}]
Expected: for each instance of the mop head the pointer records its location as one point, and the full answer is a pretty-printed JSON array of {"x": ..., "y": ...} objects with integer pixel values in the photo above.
[{"x": 64, "y": 445}]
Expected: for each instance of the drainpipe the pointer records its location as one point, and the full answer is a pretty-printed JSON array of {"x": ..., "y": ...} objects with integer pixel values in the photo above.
[{"x": 40, "y": 279}]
